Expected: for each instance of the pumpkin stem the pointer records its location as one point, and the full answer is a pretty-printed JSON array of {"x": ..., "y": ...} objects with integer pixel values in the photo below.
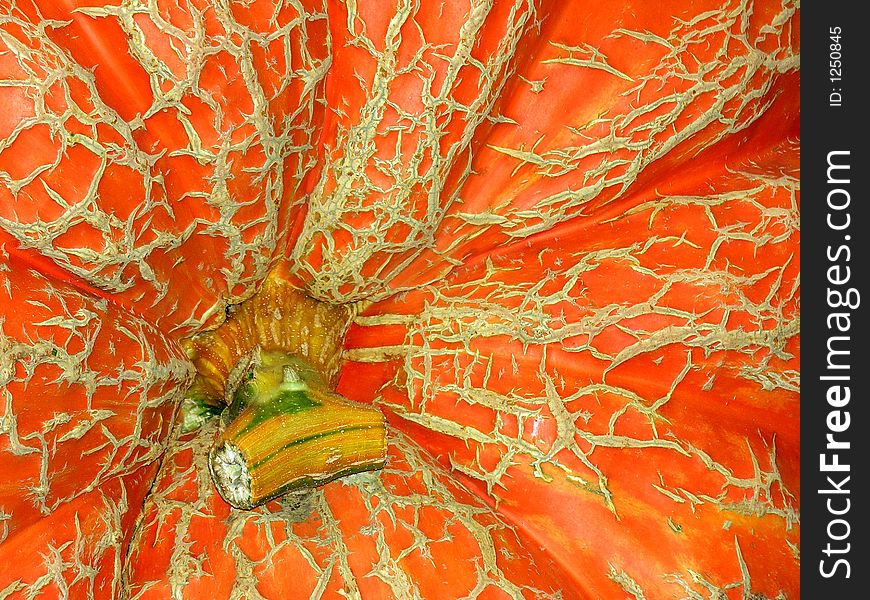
[
  {"x": 269, "y": 370},
  {"x": 285, "y": 431}
]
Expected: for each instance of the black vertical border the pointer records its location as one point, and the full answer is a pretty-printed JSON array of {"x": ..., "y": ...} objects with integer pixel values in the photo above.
[{"x": 826, "y": 128}]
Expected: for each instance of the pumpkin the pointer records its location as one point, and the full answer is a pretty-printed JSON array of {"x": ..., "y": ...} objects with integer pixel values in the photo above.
[{"x": 568, "y": 233}]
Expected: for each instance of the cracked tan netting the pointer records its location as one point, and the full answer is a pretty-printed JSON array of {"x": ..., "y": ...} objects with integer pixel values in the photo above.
[{"x": 570, "y": 229}]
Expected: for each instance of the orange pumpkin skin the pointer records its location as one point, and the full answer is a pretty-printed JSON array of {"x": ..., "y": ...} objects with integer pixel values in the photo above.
[
  {"x": 409, "y": 529},
  {"x": 572, "y": 230},
  {"x": 88, "y": 395}
]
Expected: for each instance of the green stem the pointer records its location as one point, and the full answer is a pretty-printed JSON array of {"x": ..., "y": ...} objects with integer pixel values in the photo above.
[{"x": 286, "y": 431}]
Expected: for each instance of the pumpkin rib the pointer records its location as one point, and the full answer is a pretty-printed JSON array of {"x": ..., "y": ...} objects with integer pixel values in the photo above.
[
  {"x": 370, "y": 536},
  {"x": 78, "y": 550},
  {"x": 145, "y": 209},
  {"x": 520, "y": 192},
  {"x": 523, "y": 342},
  {"x": 88, "y": 393},
  {"x": 118, "y": 379},
  {"x": 582, "y": 226},
  {"x": 369, "y": 213}
]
